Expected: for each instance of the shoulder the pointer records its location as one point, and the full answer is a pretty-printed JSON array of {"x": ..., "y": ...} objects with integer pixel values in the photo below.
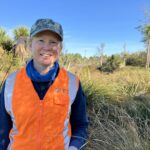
[
  {"x": 9, "y": 82},
  {"x": 69, "y": 73},
  {"x": 11, "y": 76},
  {"x": 73, "y": 78}
]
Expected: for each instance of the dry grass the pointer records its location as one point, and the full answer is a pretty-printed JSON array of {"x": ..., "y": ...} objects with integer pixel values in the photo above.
[
  {"x": 112, "y": 127},
  {"x": 118, "y": 108}
]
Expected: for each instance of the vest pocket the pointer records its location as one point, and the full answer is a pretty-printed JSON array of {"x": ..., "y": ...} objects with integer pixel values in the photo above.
[{"x": 60, "y": 99}]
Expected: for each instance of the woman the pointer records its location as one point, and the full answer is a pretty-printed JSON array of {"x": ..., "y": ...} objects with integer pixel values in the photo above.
[{"x": 42, "y": 105}]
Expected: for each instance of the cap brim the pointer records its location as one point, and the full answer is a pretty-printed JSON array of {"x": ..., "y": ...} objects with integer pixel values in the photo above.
[{"x": 46, "y": 29}]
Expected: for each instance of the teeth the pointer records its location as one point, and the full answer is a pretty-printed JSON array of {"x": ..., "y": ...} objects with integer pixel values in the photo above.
[{"x": 46, "y": 54}]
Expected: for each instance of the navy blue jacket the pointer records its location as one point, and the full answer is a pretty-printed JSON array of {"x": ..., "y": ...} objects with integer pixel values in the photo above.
[{"x": 78, "y": 118}]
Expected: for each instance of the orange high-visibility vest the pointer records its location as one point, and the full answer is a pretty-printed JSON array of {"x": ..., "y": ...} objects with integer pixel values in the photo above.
[{"x": 40, "y": 124}]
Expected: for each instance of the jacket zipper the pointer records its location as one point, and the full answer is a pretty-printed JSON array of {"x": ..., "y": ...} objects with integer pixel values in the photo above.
[{"x": 40, "y": 124}]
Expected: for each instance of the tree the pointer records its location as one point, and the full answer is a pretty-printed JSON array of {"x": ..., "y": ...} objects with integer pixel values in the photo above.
[
  {"x": 146, "y": 32},
  {"x": 21, "y": 34},
  {"x": 124, "y": 54},
  {"x": 101, "y": 51}
]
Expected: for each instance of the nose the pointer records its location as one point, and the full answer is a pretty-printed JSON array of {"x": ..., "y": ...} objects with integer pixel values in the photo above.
[{"x": 46, "y": 46}]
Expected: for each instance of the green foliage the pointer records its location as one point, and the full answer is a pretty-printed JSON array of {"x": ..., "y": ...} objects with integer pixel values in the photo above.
[
  {"x": 3, "y": 35},
  {"x": 8, "y": 64},
  {"x": 67, "y": 60},
  {"x": 136, "y": 59},
  {"x": 94, "y": 60},
  {"x": 111, "y": 64},
  {"x": 5, "y": 41},
  {"x": 21, "y": 32},
  {"x": 7, "y": 44},
  {"x": 145, "y": 30}
]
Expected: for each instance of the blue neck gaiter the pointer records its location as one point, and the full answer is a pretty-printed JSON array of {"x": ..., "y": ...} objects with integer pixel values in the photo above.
[{"x": 34, "y": 75}]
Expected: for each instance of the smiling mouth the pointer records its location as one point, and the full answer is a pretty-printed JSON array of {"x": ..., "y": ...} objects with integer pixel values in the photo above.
[{"x": 45, "y": 54}]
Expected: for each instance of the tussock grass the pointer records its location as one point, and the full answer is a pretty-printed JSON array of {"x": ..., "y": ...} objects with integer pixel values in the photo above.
[
  {"x": 119, "y": 110},
  {"x": 113, "y": 125}
]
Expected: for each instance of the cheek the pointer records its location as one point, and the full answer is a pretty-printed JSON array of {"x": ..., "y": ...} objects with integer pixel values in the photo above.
[{"x": 34, "y": 49}]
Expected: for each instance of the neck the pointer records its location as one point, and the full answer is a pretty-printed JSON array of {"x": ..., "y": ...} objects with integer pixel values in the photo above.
[{"x": 42, "y": 69}]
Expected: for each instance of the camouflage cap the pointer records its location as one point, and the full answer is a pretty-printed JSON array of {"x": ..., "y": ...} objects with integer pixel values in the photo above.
[{"x": 46, "y": 24}]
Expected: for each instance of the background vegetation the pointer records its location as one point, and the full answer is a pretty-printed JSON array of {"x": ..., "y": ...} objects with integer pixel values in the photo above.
[{"x": 117, "y": 88}]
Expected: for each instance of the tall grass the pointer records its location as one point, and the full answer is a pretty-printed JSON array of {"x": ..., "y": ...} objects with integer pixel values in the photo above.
[
  {"x": 8, "y": 64},
  {"x": 119, "y": 110}
]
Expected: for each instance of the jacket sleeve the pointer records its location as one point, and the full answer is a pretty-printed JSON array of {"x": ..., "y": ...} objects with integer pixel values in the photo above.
[
  {"x": 5, "y": 123},
  {"x": 79, "y": 120}
]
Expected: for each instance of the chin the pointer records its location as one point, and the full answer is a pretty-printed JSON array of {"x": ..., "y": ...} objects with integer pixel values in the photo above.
[{"x": 47, "y": 64}]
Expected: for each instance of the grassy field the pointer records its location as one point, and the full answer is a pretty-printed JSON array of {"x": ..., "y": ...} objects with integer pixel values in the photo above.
[{"x": 119, "y": 108}]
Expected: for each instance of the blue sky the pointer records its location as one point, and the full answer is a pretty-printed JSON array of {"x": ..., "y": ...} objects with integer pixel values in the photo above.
[{"x": 86, "y": 23}]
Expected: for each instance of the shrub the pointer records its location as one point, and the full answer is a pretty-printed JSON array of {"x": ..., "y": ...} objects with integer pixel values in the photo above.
[
  {"x": 7, "y": 44},
  {"x": 111, "y": 64},
  {"x": 136, "y": 59}
]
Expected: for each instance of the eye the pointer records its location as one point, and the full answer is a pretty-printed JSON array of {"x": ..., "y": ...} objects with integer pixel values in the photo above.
[
  {"x": 53, "y": 42},
  {"x": 40, "y": 40}
]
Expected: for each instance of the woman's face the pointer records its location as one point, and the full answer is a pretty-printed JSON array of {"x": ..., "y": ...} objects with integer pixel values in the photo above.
[{"x": 45, "y": 47}]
